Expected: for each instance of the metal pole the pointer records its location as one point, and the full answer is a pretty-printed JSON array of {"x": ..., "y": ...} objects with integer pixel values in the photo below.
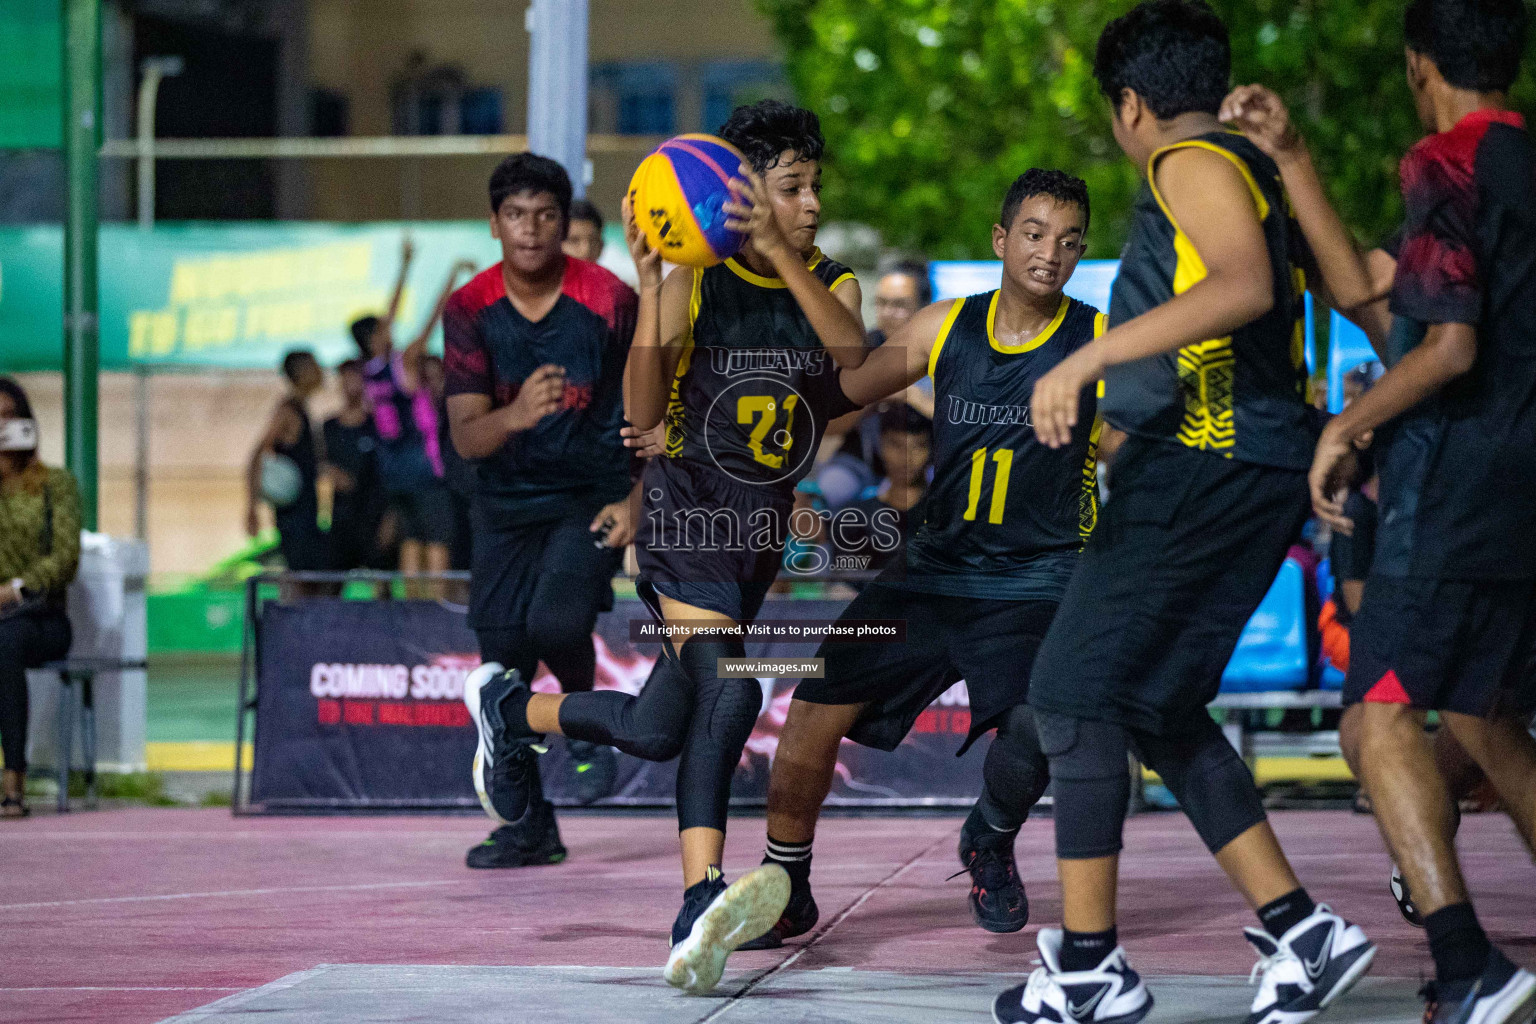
[
  {"x": 155, "y": 68},
  {"x": 557, "y": 86},
  {"x": 82, "y": 138}
]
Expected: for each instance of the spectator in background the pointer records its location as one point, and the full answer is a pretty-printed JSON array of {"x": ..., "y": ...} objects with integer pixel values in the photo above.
[
  {"x": 851, "y": 448},
  {"x": 284, "y": 468},
  {"x": 584, "y": 240},
  {"x": 459, "y": 473},
  {"x": 885, "y": 512},
  {"x": 1349, "y": 555},
  {"x": 410, "y": 451},
  {"x": 39, "y": 552},
  {"x": 357, "y": 500}
]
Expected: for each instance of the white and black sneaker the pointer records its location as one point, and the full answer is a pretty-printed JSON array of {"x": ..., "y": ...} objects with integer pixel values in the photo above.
[
  {"x": 732, "y": 915},
  {"x": 1307, "y": 968},
  {"x": 1111, "y": 993},
  {"x": 505, "y": 767},
  {"x": 1504, "y": 994},
  {"x": 1400, "y": 892}
]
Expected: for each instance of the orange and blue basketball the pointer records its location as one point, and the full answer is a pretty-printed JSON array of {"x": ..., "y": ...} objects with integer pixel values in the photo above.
[{"x": 677, "y": 193}]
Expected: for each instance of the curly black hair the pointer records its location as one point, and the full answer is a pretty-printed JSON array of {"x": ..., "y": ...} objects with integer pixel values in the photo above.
[
  {"x": 1174, "y": 54},
  {"x": 1476, "y": 44},
  {"x": 529, "y": 172},
  {"x": 764, "y": 131},
  {"x": 1059, "y": 185}
]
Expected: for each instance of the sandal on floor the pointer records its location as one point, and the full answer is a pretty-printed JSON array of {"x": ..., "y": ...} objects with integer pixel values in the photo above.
[{"x": 14, "y": 807}]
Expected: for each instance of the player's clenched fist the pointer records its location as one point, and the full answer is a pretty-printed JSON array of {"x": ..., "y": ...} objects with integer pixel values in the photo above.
[
  {"x": 1261, "y": 116},
  {"x": 539, "y": 396}
]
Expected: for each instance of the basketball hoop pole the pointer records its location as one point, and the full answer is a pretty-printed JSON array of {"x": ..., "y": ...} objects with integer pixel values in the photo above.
[
  {"x": 557, "y": 86},
  {"x": 82, "y": 138}
]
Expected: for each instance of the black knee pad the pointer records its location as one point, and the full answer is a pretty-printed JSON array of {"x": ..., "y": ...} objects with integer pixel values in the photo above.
[
  {"x": 652, "y": 726},
  {"x": 1091, "y": 772},
  {"x": 1213, "y": 786},
  {"x": 1015, "y": 773},
  {"x": 725, "y": 711}
]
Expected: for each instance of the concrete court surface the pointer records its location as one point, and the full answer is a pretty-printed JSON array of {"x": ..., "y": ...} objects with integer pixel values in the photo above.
[{"x": 184, "y": 915}]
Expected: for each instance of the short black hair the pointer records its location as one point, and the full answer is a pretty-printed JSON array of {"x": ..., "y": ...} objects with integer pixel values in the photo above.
[
  {"x": 917, "y": 270},
  {"x": 1476, "y": 44},
  {"x": 582, "y": 209},
  {"x": 528, "y": 172},
  {"x": 764, "y": 130},
  {"x": 350, "y": 366},
  {"x": 11, "y": 388},
  {"x": 362, "y": 333},
  {"x": 295, "y": 359},
  {"x": 1174, "y": 54},
  {"x": 1059, "y": 185}
]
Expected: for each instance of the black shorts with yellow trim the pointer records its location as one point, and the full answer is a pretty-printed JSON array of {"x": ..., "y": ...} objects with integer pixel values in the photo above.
[
  {"x": 1185, "y": 548},
  {"x": 1444, "y": 645},
  {"x": 989, "y": 644},
  {"x": 707, "y": 540}
]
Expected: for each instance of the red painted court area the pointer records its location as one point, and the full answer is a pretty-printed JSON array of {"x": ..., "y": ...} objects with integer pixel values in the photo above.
[{"x": 136, "y": 915}]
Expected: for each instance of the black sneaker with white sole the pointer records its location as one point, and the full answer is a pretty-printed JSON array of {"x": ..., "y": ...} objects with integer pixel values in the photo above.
[
  {"x": 1503, "y": 994},
  {"x": 1307, "y": 968},
  {"x": 505, "y": 767},
  {"x": 1400, "y": 892},
  {"x": 596, "y": 769},
  {"x": 723, "y": 918},
  {"x": 997, "y": 899},
  {"x": 533, "y": 841},
  {"x": 1111, "y": 993}
]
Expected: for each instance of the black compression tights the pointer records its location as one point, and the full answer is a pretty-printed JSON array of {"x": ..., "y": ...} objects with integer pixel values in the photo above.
[
  {"x": 684, "y": 709},
  {"x": 1015, "y": 773}
]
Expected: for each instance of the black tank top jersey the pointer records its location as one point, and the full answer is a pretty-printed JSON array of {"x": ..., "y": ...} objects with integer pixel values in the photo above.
[
  {"x": 1005, "y": 515},
  {"x": 1242, "y": 396},
  {"x": 307, "y": 459},
  {"x": 755, "y": 387}
]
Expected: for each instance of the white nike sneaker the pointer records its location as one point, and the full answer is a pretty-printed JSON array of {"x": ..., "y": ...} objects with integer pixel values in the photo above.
[
  {"x": 1311, "y": 965},
  {"x": 1111, "y": 993}
]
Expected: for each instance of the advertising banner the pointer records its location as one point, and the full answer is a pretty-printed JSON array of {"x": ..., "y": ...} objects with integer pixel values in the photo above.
[{"x": 358, "y": 706}]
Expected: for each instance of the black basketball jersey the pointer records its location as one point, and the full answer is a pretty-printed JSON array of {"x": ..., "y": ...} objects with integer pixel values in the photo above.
[
  {"x": 1005, "y": 515},
  {"x": 755, "y": 386},
  {"x": 1242, "y": 396}
]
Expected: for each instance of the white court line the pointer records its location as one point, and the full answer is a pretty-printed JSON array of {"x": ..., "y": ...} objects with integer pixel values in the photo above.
[
  {"x": 240, "y": 998},
  {"x": 123, "y": 988},
  {"x": 226, "y": 892},
  {"x": 842, "y": 915}
]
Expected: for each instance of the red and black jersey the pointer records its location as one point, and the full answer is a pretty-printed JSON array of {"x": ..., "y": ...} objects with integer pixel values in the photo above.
[
  {"x": 1458, "y": 474},
  {"x": 490, "y": 348}
]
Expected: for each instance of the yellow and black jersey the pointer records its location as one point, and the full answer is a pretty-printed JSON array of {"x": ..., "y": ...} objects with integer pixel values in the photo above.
[
  {"x": 755, "y": 387},
  {"x": 1242, "y": 396},
  {"x": 1005, "y": 515}
]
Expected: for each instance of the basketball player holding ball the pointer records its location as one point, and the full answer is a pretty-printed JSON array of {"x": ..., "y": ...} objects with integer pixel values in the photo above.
[{"x": 741, "y": 361}]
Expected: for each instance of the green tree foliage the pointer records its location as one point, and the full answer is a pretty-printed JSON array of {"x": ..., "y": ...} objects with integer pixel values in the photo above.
[{"x": 932, "y": 107}]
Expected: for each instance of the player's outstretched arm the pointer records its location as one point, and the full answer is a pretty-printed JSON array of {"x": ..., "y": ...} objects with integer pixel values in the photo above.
[
  {"x": 1354, "y": 282},
  {"x": 411, "y": 358},
  {"x": 833, "y": 315},
  {"x": 901, "y": 362},
  {"x": 407, "y": 253},
  {"x": 662, "y": 327},
  {"x": 1210, "y": 201}
]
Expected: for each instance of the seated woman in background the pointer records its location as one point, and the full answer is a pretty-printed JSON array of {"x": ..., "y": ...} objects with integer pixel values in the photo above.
[{"x": 39, "y": 551}]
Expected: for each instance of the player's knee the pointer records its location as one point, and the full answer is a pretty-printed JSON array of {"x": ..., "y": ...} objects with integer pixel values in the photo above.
[
  {"x": 1211, "y": 783},
  {"x": 1088, "y": 762}
]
